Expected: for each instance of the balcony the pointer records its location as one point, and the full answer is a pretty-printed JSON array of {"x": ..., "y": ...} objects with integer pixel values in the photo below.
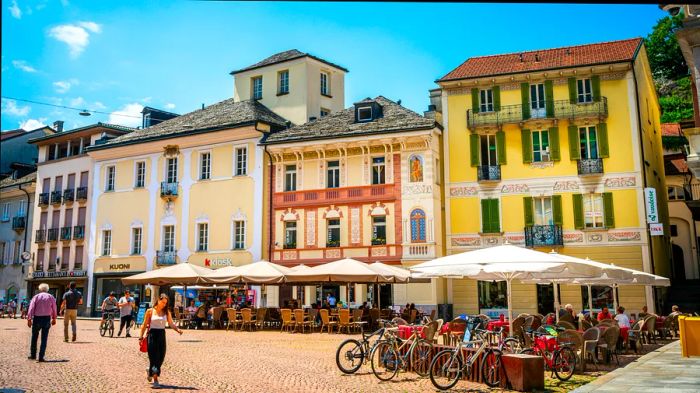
[
  {"x": 44, "y": 199},
  {"x": 68, "y": 196},
  {"x": 544, "y": 235},
  {"x": 337, "y": 196},
  {"x": 65, "y": 233},
  {"x": 40, "y": 236},
  {"x": 81, "y": 193},
  {"x": 79, "y": 232},
  {"x": 168, "y": 190},
  {"x": 563, "y": 109},
  {"x": 56, "y": 197},
  {"x": 488, "y": 172},
  {"x": 419, "y": 251},
  {"x": 52, "y": 234},
  {"x": 590, "y": 166},
  {"x": 166, "y": 257},
  {"x": 19, "y": 223}
]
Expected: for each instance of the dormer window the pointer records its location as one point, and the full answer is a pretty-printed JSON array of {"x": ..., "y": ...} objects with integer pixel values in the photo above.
[
  {"x": 257, "y": 87},
  {"x": 364, "y": 113}
]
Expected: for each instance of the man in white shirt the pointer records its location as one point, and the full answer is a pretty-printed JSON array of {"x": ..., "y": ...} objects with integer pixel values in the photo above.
[
  {"x": 126, "y": 305},
  {"x": 623, "y": 320}
]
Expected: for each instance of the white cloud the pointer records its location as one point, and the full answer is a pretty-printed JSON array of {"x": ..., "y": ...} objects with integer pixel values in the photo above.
[
  {"x": 129, "y": 115},
  {"x": 33, "y": 124},
  {"x": 99, "y": 106},
  {"x": 62, "y": 86},
  {"x": 76, "y": 37},
  {"x": 14, "y": 10},
  {"x": 78, "y": 102},
  {"x": 10, "y": 107},
  {"x": 146, "y": 100},
  {"x": 169, "y": 105},
  {"x": 22, "y": 65}
]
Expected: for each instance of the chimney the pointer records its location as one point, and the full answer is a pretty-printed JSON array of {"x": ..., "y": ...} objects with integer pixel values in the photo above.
[{"x": 58, "y": 125}]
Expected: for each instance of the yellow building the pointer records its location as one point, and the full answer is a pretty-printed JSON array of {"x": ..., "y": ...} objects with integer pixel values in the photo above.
[{"x": 553, "y": 149}]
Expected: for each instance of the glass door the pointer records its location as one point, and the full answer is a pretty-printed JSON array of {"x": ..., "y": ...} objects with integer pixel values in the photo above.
[{"x": 537, "y": 100}]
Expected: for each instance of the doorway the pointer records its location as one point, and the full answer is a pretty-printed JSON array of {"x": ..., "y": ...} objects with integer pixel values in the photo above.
[
  {"x": 678, "y": 263},
  {"x": 545, "y": 298},
  {"x": 537, "y": 100}
]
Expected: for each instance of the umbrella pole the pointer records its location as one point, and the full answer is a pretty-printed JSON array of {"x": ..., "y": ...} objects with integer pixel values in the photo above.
[
  {"x": 379, "y": 296},
  {"x": 590, "y": 301},
  {"x": 615, "y": 300},
  {"x": 555, "y": 286},
  {"x": 510, "y": 306}
]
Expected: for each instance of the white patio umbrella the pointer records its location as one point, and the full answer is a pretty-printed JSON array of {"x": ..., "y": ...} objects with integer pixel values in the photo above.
[
  {"x": 345, "y": 271},
  {"x": 181, "y": 273},
  {"x": 261, "y": 272}
]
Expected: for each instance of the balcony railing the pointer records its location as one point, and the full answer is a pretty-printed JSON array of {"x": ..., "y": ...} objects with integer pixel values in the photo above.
[
  {"x": 56, "y": 197},
  {"x": 373, "y": 193},
  {"x": 563, "y": 109},
  {"x": 79, "y": 232},
  {"x": 52, "y": 234},
  {"x": 19, "y": 223},
  {"x": 69, "y": 195},
  {"x": 40, "y": 236},
  {"x": 81, "y": 193},
  {"x": 419, "y": 251},
  {"x": 166, "y": 257},
  {"x": 65, "y": 233},
  {"x": 590, "y": 166},
  {"x": 378, "y": 242},
  {"x": 44, "y": 199},
  {"x": 168, "y": 190},
  {"x": 544, "y": 235},
  {"x": 488, "y": 172}
]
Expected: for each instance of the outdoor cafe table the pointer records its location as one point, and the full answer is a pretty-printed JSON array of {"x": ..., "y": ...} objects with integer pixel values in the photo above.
[
  {"x": 405, "y": 331},
  {"x": 496, "y": 324}
]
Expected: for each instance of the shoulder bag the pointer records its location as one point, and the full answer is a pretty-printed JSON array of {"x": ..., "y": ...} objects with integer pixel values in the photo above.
[{"x": 143, "y": 343}]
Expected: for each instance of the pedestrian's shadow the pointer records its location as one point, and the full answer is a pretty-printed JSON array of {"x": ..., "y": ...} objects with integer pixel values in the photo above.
[
  {"x": 83, "y": 342},
  {"x": 189, "y": 341},
  {"x": 56, "y": 361},
  {"x": 173, "y": 387}
]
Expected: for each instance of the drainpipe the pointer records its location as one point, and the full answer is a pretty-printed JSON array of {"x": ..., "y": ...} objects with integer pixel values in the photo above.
[{"x": 271, "y": 220}]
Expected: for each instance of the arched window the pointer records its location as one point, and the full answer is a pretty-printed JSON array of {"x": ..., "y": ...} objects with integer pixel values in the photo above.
[
  {"x": 415, "y": 168},
  {"x": 417, "y": 226}
]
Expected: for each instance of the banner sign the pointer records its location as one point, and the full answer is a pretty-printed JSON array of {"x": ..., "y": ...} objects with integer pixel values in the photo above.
[
  {"x": 656, "y": 229},
  {"x": 74, "y": 273},
  {"x": 650, "y": 202}
]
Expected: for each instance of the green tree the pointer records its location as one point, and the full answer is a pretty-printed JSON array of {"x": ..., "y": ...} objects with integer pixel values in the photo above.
[{"x": 665, "y": 56}]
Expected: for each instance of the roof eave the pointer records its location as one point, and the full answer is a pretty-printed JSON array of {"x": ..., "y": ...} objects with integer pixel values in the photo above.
[
  {"x": 76, "y": 130},
  {"x": 422, "y": 128},
  {"x": 242, "y": 70}
]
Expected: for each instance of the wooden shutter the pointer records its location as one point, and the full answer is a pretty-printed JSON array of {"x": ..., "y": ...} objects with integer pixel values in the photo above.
[
  {"x": 557, "y": 214},
  {"x": 526, "y": 137},
  {"x": 595, "y": 87},
  {"x": 501, "y": 147},
  {"x": 475, "y": 100},
  {"x": 496, "y": 98},
  {"x": 485, "y": 220},
  {"x": 573, "y": 92},
  {"x": 603, "y": 147},
  {"x": 529, "y": 216},
  {"x": 574, "y": 144},
  {"x": 578, "y": 211},
  {"x": 525, "y": 99},
  {"x": 549, "y": 98},
  {"x": 493, "y": 215},
  {"x": 609, "y": 210},
  {"x": 474, "y": 149},
  {"x": 554, "y": 152}
]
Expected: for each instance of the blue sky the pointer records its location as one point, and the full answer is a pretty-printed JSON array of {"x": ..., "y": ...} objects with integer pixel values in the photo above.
[{"x": 115, "y": 56}]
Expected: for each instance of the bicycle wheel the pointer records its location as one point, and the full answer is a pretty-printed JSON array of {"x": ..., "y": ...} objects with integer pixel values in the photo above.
[
  {"x": 446, "y": 369},
  {"x": 491, "y": 368},
  {"x": 564, "y": 363},
  {"x": 385, "y": 361},
  {"x": 103, "y": 328},
  {"x": 349, "y": 356},
  {"x": 511, "y": 345},
  {"x": 420, "y": 357},
  {"x": 111, "y": 327}
]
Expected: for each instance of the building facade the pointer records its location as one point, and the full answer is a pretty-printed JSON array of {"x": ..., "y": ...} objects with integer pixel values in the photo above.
[
  {"x": 553, "y": 149},
  {"x": 16, "y": 154}
]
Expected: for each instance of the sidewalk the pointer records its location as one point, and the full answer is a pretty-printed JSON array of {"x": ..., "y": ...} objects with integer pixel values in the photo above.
[{"x": 663, "y": 370}]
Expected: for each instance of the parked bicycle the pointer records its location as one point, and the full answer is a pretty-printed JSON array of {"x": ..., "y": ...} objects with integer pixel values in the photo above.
[
  {"x": 352, "y": 353},
  {"x": 394, "y": 354},
  {"x": 108, "y": 324},
  {"x": 559, "y": 358}
]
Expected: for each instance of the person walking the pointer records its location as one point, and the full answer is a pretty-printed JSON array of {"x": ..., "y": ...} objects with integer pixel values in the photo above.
[
  {"x": 40, "y": 318},
  {"x": 126, "y": 305},
  {"x": 23, "y": 308},
  {"x": 154, "y": 323},
  {"x": 71, "y": 299}
]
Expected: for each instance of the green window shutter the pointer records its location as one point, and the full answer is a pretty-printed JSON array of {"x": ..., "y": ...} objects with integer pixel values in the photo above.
[
  {"x": 501, "y": 147},
  {"x": 527, "y": 206},
  {"x": 474, "y": 149},
  {"x": 573, "y": 92},
  {"x": 525, "y": 96},
  {"x": 595, "y": 87},
  {"x": 549, "y": 98},
  {"x": 556, "y": 210},
  {"x": 526, "y": 137},
  {"x": 485, "y": 220},
  {"x": 609, "y": 210},
  {"x": 574, "y": 144},
  {"x": 496, "y": 98},
  {"x": 603, "y": 147},
  {"x": 493, "y": 215},
  {"x": 578, "y": 211},
  {"x": 475, "y": 100},
  {"x": 554, "y": 153}
]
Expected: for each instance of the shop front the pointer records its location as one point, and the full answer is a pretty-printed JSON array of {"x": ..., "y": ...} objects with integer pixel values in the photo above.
[
  {"x": 108, "y": 274},
  {"x": 58, "y": 282},
  {"x": 221, "y": 260}
]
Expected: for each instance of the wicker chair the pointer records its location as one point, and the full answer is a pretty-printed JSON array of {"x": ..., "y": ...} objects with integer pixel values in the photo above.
[
  {"x": 574, "y": 339},
  {"x": 231, "y": 314},
  {"x": 590, "y": 338},
  {"x": 584, "y": 325},
  {"x": 429, "y": 331},
  {"x": 260, "y": 315},
  {"x": 247, "y": 319},
  {"x": 216, "y": 317},
  {"x": 518, "y": 332},
  {"x": 566, "y": 325},
  {"x": 399, "y": 321},
  {"x": 313, "y": 316},
  {"x": 301, "y": 321},
  {"x": 287, "y": 322},
  {"x": 432, "y": 315},
  {"x": 538, "y": 321},
  {"x": 344, "y": 320},
  {"x": 610, "y": 337},
  {"x": 440, "y": 322},
  {"x": 650, "y": 328},
  {"x": 635, "y": 338},
  {"x": 374, "y": 314},
  {"x": 456, "y": 332},
  {"x": 326, "y": 320}
]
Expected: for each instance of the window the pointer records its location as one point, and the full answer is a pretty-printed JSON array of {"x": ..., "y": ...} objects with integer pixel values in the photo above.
[
  {"x": 488, "y": 150},
  {"x": 593, "y": 212},
  {"x": 283, "y": 82},
  {"x": 333, "y": 174},
  {"x": 136, "y": 241},
  {"x": 6, "y": 212},
  {"x": 602, "y": 297},
  {"x": 486, "y": 100},
  {"x": 333, "y": 238},
  {"x": 290, "y": 234},
  {"x": 417, "y": 226},
  {"x": 241, "y": 161},
  {"x": 490, "y": 216},
  {"x": 589, "y": 142},
  {"x": 3, "y": 247},
  {"x": 169, "y": 238},
  {"x": 537, "y": 98},
  {"x": 540, "y": 146},
  {"x": 676, "y": 193},
  {"x": 378, "y": 166},
  {"x": 290, "y": 178},
  {"x": 257, "y": 87},
  {"x": 364, "y": 114},
  {"x": 585, "y": 91},
  {"x": 202, "y": 236},
  {"x": 492, "y": 294},
  {"x": 674, "y": 230},
  {"x": 22, "y": 209},
  {"x": 543, "y": 211},
  {"x": 171, "y": 170},
  {"x": 325, "y": 112},
  {"x": 140, "y": 180},
  {"x": 325, "y": 87},
  {"x": 17, "y": 252},
  {"x": 378, "y": 230},
  {"x": 205, "y": 166},
  {"x": 109, "y": 180},
  {"x": 239, "y": 235},
  {"x": 106, "y": 242}
]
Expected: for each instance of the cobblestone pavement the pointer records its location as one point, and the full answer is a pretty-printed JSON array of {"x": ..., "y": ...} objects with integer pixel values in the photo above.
[{"x": 203, "y": 361}]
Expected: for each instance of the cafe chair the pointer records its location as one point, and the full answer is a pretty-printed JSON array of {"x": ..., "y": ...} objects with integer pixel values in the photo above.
[
  {"x": 247, "y": 319},
  {"x": 326, "y": 320},
  {"x": 590, "y": 343},
  {"x": 286, "y": 315},
  {"x": 610, "y": 337},
  {"x": 231, "y": 314},
  {"x": 634, "y": 336},
  {"x": 260, "y": 314},
  {"x": 302, "y": 321},
  {"x": 344, "y": 320}
]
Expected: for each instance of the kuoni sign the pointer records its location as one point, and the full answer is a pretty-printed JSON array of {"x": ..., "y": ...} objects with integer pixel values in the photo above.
[{"x": 650, "y": 202}]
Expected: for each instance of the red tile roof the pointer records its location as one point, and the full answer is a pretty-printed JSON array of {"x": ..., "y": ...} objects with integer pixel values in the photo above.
[
  {"x": 670, "y": 129},
  {"x": 546, "y": 59}
]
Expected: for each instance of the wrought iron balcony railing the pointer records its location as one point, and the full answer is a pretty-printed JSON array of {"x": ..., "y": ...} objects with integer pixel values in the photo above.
[
  {"x": 56, "y": 197},
  {"x": 19, "y": 223},
  {"x": 40, "y": 236},
  {"x": 79, "y": 232},
  {"x": 81, "y": 193},
  {"x": 52, "y": 234},
  {"x": 65, "y": 233},
  {"x": 590, "y": 166},
  {"x": 544, "y": 235},
  {"x": 488, "y": 172},
  {"x": 166, "y": 257},
  {"x": 44, "y": 199},
  {"x": 68, "y": 195},
  {"x": 168, "y": 190},
  {"x": 560, "y": 109}
]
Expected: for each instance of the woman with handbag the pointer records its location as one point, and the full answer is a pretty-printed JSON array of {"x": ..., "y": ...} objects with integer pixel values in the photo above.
[{"x": 154, "y": 325}]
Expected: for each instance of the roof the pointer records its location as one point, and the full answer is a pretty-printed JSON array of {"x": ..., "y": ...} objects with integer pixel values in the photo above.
[
  {"x": 671, "y": 129},
  {"x": 286, "y": 56},
  {"x": 9, "y": 181},
  {"x": 546, "y": 59},
  {"x": 224, "y": 114},
  {"x": 675, "y": 164},
  {"x": 114, "y": 127},
  {"x": 395, "y": 118},
  {"x": 9, "y": 134},
  {"x": 152, "y": 109}
]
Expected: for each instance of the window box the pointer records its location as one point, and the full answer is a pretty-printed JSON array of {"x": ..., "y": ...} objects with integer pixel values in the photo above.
[
  {"x": 378, "y": 242},
  {"x": 590, "y": 166},
  {"x": 168, "y": 190}
]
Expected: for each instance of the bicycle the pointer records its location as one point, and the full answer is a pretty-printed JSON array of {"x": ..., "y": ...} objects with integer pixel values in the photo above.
[
  {"x": 386, "y": 358},
  {"x": 449, "y": 365},
  {"x": 108, "y": 324},
  {"x": 357, "y": 352},
  {"x": 559, "y": 358}
]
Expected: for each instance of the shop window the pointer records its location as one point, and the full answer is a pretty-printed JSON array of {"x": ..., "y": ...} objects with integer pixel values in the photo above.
[{"x": 492, "y": 295}]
